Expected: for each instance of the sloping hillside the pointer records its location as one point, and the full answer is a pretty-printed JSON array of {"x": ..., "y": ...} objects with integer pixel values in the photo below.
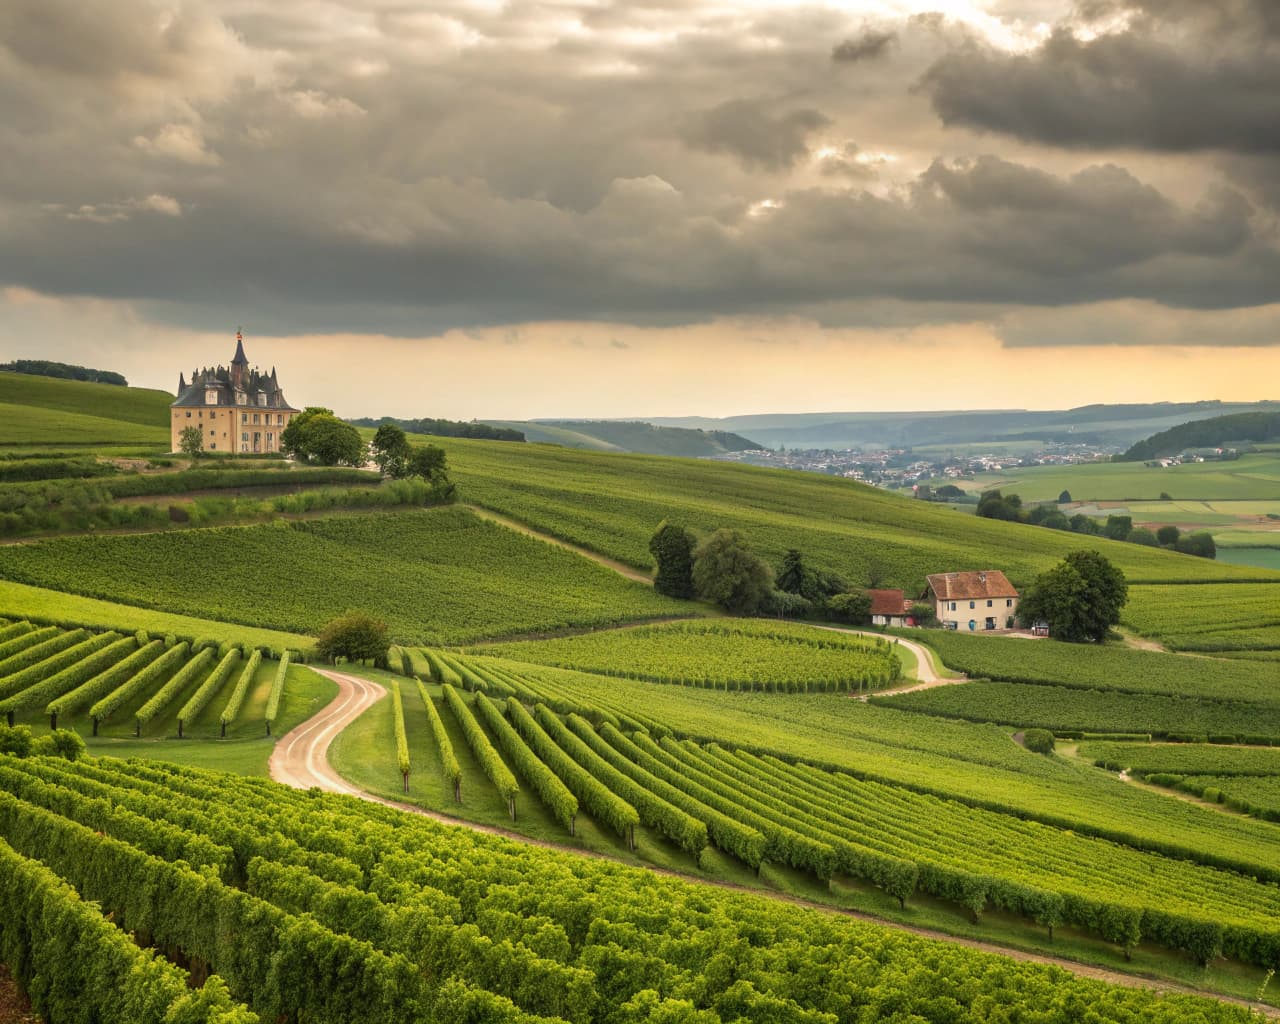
[
  {"x": 626, "y": 436},
  {"x": 44, "y": 411},
  {"x": 611, "y": 503},
  {"x": 1210, "y": 433}
]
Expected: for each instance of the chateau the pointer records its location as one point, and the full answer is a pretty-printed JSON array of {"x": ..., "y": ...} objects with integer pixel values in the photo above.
[{"x": 236, "y": 409}]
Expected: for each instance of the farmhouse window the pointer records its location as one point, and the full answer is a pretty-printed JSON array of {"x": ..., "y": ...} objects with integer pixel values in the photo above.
[
  {"x": 188, "y": 414},
  {"x": 953, "y": 606},
  {"x": 1008, "y": 603},
  {"x": 973, "y": 604},
  {"x": 988, "y": 604}
]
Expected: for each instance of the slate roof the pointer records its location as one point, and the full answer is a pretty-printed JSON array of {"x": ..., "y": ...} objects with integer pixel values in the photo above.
[
  {"x": 251, "y": 383},
  {"x": 966, "y": 586},
  {"x": 888, "y": 602}
]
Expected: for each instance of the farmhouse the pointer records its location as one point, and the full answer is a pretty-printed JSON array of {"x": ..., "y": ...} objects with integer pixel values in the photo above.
[
  {"x": 236, "y": 409},
  {"x": 888, "y": 607},
  {"x": 973, "y": 601}
]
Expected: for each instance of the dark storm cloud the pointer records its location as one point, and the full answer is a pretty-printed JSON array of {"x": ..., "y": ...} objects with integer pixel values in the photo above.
[
  {"x": 1180, "y": 75},
  {"x": 372, "y": 166},
  {"x": 869, "y": 45},
  {"x": 745, "y": 129}
]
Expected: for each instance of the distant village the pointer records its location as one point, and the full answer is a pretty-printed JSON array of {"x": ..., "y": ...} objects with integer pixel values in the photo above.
[{"x": 901, "y": 468}]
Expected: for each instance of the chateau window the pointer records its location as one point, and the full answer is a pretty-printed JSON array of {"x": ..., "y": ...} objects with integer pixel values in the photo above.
[
  {"x": 257, "y": 418},
  {"x": 262, "y": 398},
  {"x": 270, "y": 438},
  {"x": 213, "y": 444},
  {"x": 241, "y": 398},
  {"x": 244, "y": 417},
  {"x": 188, "y": 414},
  {"x": 279, "y": 419},
  {"x": 211, "y": 396},
  {"x": 244, "y": 437}
]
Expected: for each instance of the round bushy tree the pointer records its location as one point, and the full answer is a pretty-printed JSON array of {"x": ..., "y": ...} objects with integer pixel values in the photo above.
[
  {"x": 1080, "y": 598},
  {"x": 356, "y": 636},
  {"x": 672, "y": 550},
  {"x": 728, "y": 572}
]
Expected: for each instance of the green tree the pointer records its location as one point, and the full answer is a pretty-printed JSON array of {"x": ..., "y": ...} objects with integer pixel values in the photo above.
[
  {"x": 390, "y": 450},
  {"x": 1081, "y": 523},
  {"x": 317, "y": 436},
  {"x": 191, "y": 441},
  {"x": 427, "y": 461},
  {"x": 1039, "y": 741},
  {"x": 1117, "y": 527},
  {"x": 728, "y": 572},
  {"x": 672, "y": 549},
  {"x": 853, "y": 607},
  {"x": 1141, "y": 535},
  {"x": 356, "y": 636},
  {"x": 1168, "y": 536},
  {"x": 923, "y": 614},
  {"x": 1064, "y": 498},
  {"x": 1201, "y": 544},
  {"x": 994, "y": 505},
  {"x": 1080, "y": 598},
  {"x": 791, "y": 577}
]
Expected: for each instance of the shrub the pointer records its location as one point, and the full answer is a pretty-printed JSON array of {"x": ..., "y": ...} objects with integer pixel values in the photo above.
[{"x": 1039, "y": 741}]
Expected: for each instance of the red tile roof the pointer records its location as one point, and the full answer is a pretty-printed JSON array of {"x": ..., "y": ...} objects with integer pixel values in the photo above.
[
  {"x": 964, "y": 586},
  {"x": 887, "y": 602}
]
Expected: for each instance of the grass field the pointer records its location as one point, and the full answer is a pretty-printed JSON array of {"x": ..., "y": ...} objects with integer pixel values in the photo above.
[
  {"x": 1253, "y": 477},
  {"x": 612, "y": 504},
  {"x": 42, "y": 412},
  {"x": 21, "y": 601},
  {"x": 436, "y": 576}
]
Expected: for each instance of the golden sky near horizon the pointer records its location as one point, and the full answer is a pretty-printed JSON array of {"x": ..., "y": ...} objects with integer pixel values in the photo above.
[{"x": 605, "y": 208}]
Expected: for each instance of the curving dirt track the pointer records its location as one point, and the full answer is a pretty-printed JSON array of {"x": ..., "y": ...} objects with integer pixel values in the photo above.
[{"x": 300, "y": 760}]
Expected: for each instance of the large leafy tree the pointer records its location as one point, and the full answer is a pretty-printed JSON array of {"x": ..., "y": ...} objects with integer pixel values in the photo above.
[
  {"x": 317, "y": 436},
  {"x": 672, "y": 548},
  {"x": 1080, "y": 598},
  {"x": 356, "y": 636},
  {"x": 390, "y": 450},
  {"x": 728, "y": 572}
]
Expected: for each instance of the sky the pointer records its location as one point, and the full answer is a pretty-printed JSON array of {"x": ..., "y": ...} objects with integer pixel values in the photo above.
[{"x": 590, "y": 208}]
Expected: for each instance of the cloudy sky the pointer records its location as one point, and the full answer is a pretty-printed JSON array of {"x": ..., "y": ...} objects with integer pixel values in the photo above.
[{"x": 607, "y": 208}]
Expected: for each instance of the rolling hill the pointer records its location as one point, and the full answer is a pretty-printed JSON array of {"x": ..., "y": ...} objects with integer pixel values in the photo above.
[
  {"x": 628, "y": 436},
  {"x": 45, "y": 412},
  {"x": 1210, "y": 433},
  {"x": 1114, "y": 424}
]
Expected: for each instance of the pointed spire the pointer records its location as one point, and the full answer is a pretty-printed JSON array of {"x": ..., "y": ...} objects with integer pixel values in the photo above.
[
  {"x": 241, "y": 359},
  {"x": 182, "y": 383}
]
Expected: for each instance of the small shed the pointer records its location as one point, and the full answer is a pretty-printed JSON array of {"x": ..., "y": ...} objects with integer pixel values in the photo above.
[{"x": 888, "y": 607}]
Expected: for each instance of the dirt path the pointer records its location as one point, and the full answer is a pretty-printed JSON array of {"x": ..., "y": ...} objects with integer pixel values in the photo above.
[
  {"x": 630, "y": 572},
  {"x": 300, "y": 760},
  {"x": 927, "y": 676}
]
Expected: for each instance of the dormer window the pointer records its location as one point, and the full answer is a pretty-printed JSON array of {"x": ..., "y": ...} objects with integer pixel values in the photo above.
[
  {"x": 240, "y": 398},
  {"x": 262, "y": 398},
  {"x": 210, "y": 396}
]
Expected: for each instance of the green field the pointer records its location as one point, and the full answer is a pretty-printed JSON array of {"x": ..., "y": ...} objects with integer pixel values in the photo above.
[
  {"x": 612, "y": 504},
  {"x": 741, "y": 654},
  {"x": 42, "y": 412},
  {"x": 436, "y": 576},
  {"x": 1253, "y": 477}
]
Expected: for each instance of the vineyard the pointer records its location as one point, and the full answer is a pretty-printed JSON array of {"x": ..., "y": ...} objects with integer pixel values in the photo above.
[
  {"x": 440, "y": 576},
  {"x": 117, "y": 685},
  {"x": 761, "y": 809},
  {"x": 1066, "y": 710},
  {"x": 742, "y": 654},
  {"x": 1208, "y": 618},
  {"x": 612, "y": 503},
  {"x": 305, "y": 906},
  {"x": 1182, "y": 758},
  {"x": 1259, "y": 797},
  {"x": 1118, "y": 669}
]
